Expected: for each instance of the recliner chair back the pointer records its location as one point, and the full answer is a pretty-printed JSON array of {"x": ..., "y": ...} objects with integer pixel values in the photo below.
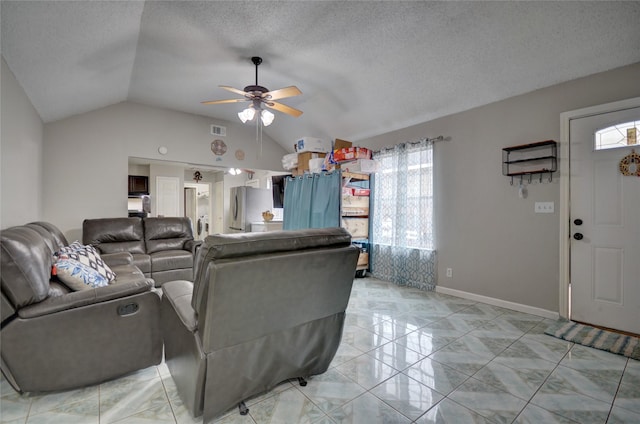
[{"x": 264, "y": 307}]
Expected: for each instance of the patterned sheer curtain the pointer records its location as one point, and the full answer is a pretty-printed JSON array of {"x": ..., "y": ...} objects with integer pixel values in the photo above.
[{"x": 402, "y": 240}]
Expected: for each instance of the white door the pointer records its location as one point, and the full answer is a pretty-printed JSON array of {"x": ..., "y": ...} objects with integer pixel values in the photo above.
[
  {"x": 605, "y": 225},
  {"x": 168, "y": 196}
]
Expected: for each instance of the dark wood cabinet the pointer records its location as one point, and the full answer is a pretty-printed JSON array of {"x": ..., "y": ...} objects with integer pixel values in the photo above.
[{"x": 138, "y": 184}]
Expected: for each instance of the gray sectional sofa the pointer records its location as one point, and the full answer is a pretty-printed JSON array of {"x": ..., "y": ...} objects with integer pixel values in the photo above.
[
  {"x": 54, "y": 338},
  {"x": 263, "y": 308},
  {"x": 163, "y": 248}
]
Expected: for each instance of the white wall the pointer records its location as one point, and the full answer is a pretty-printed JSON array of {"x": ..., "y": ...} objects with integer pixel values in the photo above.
[
  {"x": 88, "y": 156},
  {"x": 493, "y": 241},
  {"x": 20, "y": 154}
]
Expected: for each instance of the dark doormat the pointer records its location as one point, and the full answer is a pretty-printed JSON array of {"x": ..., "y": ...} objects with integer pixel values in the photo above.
[{"x": 586, "y": 335}]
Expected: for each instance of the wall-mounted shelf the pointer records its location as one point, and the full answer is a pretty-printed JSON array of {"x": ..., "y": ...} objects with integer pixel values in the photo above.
[{"x": 530, "y": 159}]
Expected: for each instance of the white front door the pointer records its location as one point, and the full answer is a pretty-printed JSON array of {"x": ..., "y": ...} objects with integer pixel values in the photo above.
[{"x": 605, "y": 226}]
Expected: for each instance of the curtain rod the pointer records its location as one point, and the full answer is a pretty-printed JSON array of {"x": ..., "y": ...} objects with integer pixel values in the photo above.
[{"x": 433, "y": 140}]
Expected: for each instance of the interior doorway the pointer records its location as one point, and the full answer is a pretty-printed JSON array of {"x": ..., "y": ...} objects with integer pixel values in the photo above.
[{"x": 197, "y": 207}]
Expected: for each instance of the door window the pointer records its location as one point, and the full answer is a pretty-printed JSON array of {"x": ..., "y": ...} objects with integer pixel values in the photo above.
[{"x": 619, "y": 135}]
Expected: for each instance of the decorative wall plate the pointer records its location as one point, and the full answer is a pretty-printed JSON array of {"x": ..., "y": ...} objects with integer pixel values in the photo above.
[
  {"x": 240, "y": 154},
  {"x": 218, "y": 147}
]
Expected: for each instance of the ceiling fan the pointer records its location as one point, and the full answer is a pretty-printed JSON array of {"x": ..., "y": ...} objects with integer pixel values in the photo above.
[{"x": 260, "y": 96}]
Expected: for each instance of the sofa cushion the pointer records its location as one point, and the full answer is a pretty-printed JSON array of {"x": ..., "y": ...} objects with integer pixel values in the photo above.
[
  {"x": 142, "y": 261},
  {"x": 26, "y": 266},
  {"x": 166, "y": 233},
  {"x": 48, "y": 238},
  {"x": 54, "y": 233},
  {"x": 171, "y": 259},
  {"x": 111, "y": 235},
  {"x": 129, "y": 274}
]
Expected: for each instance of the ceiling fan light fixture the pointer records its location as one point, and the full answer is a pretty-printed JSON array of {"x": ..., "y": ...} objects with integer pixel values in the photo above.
[
  {"x": 267, "y": 117},
  {"x": 247, "y": 114}
]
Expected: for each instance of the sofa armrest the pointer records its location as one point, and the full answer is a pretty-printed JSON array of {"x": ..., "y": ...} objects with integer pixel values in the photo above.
[
  {"x": 179, "y": 294},
  {"x": 85, "y": 297},
  {"x": 119, "y": 258},
  {"x": 192, "y": 245}
]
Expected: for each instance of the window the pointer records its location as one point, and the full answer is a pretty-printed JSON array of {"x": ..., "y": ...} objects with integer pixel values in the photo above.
[
  {"x": 619, "y": 135},
  {"x": 403, "y": 247},
  {"x": 403, "y": 202}
]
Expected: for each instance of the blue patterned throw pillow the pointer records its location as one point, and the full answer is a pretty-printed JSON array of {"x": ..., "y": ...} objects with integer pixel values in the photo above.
[
  {"x": 81, "y": 267},
  {"x": 76, "y": 245}
]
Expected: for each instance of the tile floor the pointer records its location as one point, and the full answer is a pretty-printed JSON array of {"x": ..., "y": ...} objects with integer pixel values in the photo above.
[{"x": 406, "y": 356}]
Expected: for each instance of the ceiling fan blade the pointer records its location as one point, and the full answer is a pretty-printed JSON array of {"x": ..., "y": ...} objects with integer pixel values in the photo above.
[
  {"x": 233, "y": 90},
  {"x": 284, "y": 108},
  {"x": 282, "y": 93},
  {"x": 218, "y": 102}
]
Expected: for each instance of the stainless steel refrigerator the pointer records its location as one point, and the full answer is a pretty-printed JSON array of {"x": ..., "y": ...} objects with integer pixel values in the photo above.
[{"x": 247, "y": 205}]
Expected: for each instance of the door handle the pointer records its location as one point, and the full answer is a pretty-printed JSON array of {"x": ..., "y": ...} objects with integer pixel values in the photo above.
[{"x": 578, "y": 236}]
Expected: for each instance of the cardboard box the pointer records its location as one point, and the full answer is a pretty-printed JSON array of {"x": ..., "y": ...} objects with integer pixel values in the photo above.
[
  {"x": 363, "y": 259},
  {"x": 351, "y": 153},
  {"x": 357, "y": 227},
  {"x": 303, "y": 161},
  {"x": 354, "y": 191},
  {"x": 364, "y": 166},
  {"x": 341, "y": 144},
  {"x": 355, "y": 201},
  {"x": 310, "y": 144},
  {"x": 355, "y": 205},
  {"x": 355, "y": 211}
]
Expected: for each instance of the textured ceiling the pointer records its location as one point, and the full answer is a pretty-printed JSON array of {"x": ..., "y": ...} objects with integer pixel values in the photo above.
[{"x": 364, "y": 68}]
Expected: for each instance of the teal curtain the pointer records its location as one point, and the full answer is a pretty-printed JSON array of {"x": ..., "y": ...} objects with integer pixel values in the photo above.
[
  {"x": 312, "y": 201},
  {"x": 402, "y": 235}
]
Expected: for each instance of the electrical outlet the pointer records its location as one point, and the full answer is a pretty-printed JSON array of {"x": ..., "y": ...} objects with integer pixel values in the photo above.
[
  {"x": 544, "y": 207},
  {"x": 449, "y": 272}
]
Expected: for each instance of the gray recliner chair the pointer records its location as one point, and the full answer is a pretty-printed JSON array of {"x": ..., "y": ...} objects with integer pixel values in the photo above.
[{"x": 263, "y": 308}]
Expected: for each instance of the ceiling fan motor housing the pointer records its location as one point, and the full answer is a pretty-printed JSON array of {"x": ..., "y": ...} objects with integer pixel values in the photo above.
[{"x": 256, "y": 89}]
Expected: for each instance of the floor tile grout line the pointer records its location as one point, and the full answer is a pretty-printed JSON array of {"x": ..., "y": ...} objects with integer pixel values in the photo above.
[
  {"x": 615, "y": 395},
  {"x": 166, "y": 393},
  {"x": 527, "y": 402},
  {"x": 545, "y": 381}
]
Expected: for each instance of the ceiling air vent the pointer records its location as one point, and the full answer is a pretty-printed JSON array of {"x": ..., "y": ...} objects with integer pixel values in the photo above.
[{"x": 218, "y": 130}]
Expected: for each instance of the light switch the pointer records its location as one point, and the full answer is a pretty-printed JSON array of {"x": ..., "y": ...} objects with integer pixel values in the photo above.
[{"x": 544, "y": 207}]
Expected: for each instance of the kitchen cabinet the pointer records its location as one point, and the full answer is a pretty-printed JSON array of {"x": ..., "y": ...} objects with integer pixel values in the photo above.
[{"x": 138, "y": 184}]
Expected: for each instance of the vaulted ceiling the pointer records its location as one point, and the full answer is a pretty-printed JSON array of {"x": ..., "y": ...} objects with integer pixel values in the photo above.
[{"x": 364, "y": 68}]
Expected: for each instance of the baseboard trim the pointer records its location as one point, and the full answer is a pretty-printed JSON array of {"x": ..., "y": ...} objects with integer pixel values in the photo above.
[{"x": 545, "y": 313}]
